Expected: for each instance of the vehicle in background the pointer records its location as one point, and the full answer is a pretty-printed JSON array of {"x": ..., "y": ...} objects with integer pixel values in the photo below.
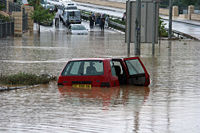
[
  {"x": 65, "y": 4},
  {"x": 70, "y": 7},
  {"x": 104, "y": 72},
  {"x": 71, "y": 17},
  {"x": 50, "y": 7},
  {"x": 77, "y": 29}
]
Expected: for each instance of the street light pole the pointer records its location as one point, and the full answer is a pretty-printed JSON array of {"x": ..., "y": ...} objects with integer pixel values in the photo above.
[
  {"x": 128, "y": 18},
  {"x": 170, "y": 20},
  {"x": 137, "y": 27}
]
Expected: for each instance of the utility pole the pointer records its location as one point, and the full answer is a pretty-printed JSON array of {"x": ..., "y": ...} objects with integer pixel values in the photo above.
[
  {"x": 128, "y": 18},
  {"x": 137, "y": 27},
  {"x": 170, "y": 20},
  {"x": 154, "y": 28}
]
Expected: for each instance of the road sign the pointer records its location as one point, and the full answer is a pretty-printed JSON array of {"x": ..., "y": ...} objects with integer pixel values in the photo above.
[{"x": 149, "y": 22}]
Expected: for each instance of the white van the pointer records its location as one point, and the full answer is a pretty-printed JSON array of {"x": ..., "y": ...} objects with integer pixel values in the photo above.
[{"x": 71, "y": 17}]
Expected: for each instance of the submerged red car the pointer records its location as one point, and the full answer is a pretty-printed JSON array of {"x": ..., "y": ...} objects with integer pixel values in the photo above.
[{"x": 104, "y": 72}]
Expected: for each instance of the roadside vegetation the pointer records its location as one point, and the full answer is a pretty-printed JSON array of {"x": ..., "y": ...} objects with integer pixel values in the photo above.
[
  {"x": 40, "y": 15},
  {"x": 162, "y": 31},
  {"x": 180, "y": 3},
  {"x": 2, "y": 7},
  {"x": 7, "y": 19},
  {"x": 25, "y": 79}
]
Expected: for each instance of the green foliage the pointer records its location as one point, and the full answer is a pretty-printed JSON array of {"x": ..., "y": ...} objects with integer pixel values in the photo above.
[
  {"x": 117, "y": 21},
  {"x": 188, "y": 2},
  {"x": 34, "y": 3},
  {"x": 2, "y": 7},
  {"x": 161, "y": 28},
  {"x": 180, "y": 3},
  {"x": 25, "y": 79},
  {"x": 5, "y": 18},
  {"x": 41, "y": 15}
]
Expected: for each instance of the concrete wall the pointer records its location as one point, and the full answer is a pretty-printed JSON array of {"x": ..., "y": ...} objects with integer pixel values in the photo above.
[
  {"x": 190, "y": 11},
  {"x": 175, "y": 12},
  {"x": 164, "y": 11},
  {"x": 190, "y": 16},
  {"x": 195, "y": 17},
  {"x": 18, "y": 20},
  {"x": 18, "y": 23}
]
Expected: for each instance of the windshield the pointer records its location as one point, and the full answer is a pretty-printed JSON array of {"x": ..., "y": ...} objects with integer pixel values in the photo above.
[
  {"x": 78, "y": 27},
  {"x": 134, "y": 67},
  {"x": 79, "y": 68},
  {"x": 70, "y": 7}
]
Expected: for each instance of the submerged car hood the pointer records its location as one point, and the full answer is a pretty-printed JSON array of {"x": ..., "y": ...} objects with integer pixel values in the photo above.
[{"x": 79, "y": 32}]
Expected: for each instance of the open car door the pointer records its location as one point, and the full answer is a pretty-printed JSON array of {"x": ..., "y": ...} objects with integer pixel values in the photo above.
[{"x": 137, "y": 73}]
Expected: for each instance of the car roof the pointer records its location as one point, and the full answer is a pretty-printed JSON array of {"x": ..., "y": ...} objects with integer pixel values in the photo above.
[
  {"x": 77, "y": 25},
  {"x": 92, "y": 59}
]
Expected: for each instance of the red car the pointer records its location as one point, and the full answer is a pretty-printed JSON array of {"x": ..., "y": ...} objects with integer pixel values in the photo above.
[{"x": 104, "y": 72}]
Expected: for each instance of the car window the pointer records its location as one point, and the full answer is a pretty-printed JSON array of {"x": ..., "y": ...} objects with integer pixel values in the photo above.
[
  {"x": 72, "y": 68},
  {"x": 79, "y": 68},
  {"x": 78, "y": 27},
  {"x": 134, "y": 67},
  {"x": 112, "y": 68}
]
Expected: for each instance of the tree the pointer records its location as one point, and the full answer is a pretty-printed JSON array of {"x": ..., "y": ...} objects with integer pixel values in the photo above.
[
  {"x": 34, "y": 3},
  {"x": 188, "y": 2},
  {"x": 41, "y": 15},
  {"x": 2, "y": 6}
]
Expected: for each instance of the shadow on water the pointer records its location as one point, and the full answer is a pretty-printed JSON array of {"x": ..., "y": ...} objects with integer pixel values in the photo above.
[{"x": 108, "y": 96}]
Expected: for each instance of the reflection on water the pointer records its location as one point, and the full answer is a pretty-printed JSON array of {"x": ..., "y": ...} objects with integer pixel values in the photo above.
[{"x": 170, "y": 104}]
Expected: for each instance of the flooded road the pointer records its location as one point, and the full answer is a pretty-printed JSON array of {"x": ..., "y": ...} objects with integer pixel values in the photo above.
[{"x": 171, "y": 104}]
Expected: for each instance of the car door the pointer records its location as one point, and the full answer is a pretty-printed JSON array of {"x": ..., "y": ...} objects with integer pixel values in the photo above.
[{"x": 137, "y": 73}]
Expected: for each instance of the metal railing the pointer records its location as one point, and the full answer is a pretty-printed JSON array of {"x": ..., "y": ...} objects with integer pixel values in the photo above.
[
  {"x": 14, "y": 7},
  {"x": 6, "y": 28},
  {"x": 25, "y": 22}
]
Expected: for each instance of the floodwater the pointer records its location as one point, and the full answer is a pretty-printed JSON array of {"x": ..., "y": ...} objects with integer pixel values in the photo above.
[{"x": 171, "y": 104}]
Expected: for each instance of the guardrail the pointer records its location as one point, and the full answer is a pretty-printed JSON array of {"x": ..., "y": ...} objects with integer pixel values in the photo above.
[
  {"x": 6, "y": 28},
  {"x": 182, "y": 35},
  {"x": 111, "y": 23}
]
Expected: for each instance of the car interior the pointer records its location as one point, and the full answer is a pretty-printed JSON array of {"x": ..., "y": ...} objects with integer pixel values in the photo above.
[{"x": 120, "y": 72}]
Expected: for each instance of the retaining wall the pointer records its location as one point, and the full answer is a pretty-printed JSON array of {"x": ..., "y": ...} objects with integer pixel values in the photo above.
[{"x": 18, "y": 23}]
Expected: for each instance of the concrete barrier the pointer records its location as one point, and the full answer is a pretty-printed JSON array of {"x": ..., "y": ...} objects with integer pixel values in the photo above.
[
  {"x": 18, "y": 23},
  {"x": 164, "y": 11},
  {"x": 195, "y": 17},
  {"x": 190, "y": 11}
]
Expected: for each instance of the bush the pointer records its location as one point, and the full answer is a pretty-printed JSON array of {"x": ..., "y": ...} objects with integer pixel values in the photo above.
[
  {"x": 26, "y": 79},
  {"x": 118, "y": 21},
  {"x": 5, "y": 18},
  {"x": 162, "y": 31}
]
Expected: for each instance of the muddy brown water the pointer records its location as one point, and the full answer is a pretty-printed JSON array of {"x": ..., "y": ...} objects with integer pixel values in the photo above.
[{"x": 171, "y": 104}]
